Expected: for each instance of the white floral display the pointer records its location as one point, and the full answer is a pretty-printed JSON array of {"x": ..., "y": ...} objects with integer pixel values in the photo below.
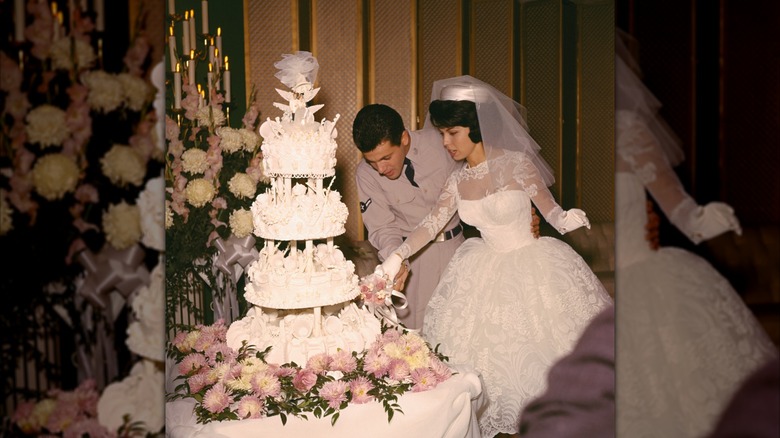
[
  {"x": 141, "y": 395},
  {"x": 194, "y": 161},
  {"x": 62, "y": 54},
  {"x": 54, "y": 175},
  {"x": 105, "y": 90},
  {"x": 123, "y": 165},
  {"x": 146, "y": 335},
  {"x": 242, "y": 185},
  {"x": 122, "y": 225},
  {"x": 152, "y": 209},
  {"x": 46, "y": 126},
  {"x": 200, "y": 192},
  {"x": 241, "y": 222}
]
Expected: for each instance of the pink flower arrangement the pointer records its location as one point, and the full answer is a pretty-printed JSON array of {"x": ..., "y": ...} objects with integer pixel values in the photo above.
[
  {"x": 235, "y": 385},
  {"x": 375, "y": 289}
]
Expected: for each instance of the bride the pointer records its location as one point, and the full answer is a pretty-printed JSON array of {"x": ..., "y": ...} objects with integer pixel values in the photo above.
[
  {"x": 685, "y": 339},
  {"x": 507, "y": 304}
]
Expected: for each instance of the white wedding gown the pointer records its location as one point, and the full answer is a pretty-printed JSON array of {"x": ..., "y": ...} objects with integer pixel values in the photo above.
[
  {"x": 508, "y": 304},
  {"x": 685, "y": 339}
]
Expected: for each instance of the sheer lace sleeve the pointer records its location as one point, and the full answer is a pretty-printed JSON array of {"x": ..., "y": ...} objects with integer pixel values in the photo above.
[
  {"x": 434, "y": 222},
  {"x": 639, "y": 152},
  {"x": 528, "y": 177}
]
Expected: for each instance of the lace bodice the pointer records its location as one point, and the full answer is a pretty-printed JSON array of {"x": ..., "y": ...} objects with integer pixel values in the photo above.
[{"x": 495, "y": 197}]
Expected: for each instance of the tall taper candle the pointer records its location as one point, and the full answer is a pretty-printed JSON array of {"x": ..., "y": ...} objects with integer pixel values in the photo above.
[
  {"x": 177, "y": 87},
  {"x": 193, "y": 40},
  {"x": 219, "y": 44},
  {"x": 171, "y": 7},
  {"x": 226, "y": 80},
  {"x": 185, "y": 30},
  {"x": 191, "y": 72},
  {"x": 210, "y": 80},
  {"x": 100, "y": 15},
  {"x": 19, "y": 20},
  {"x": 204, "y": 20},
  {"x": 172, "y": 48}
]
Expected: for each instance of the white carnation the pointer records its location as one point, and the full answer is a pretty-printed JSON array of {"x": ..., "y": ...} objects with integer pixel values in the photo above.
[
  {"x": 152, "y": 210},
  {"x": 141, "y": 395},
  {"x": 61, "y": 57},
  {"x": 206, "y": 113},
  {"x": 105, "y": 90},
  {"x": 137, "y": 91},
  {"x": 241, "y": 223},
  {"x": 46, "y": 126},
  {"x": 193, "y": 161},
  {"x": 122, "y": 225},
  {"x": 242, "y": 185},
  {"x": 199, "y": 192},
  {"x": 146, "y": 335},
  {"x": 231, "y": 140},
  {"x": 250, "y": 139},
  {"x": 6, "y": 212},
  {"x": 54, "y": 175},
  {"x": 123, "y": 165}
]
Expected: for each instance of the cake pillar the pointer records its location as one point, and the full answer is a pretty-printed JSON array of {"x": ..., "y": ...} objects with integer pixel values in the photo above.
[{"x": 318, "y": 321}]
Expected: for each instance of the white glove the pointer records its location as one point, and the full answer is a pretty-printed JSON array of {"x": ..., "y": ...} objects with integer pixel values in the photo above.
[
  {"x": 569, "y": 220},
  {"x": 712, "y": 220},
  {"x": 391, "y": 266}
]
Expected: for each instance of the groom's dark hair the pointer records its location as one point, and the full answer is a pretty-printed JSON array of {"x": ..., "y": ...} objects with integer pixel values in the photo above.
[
  {"x": 374, "y": 124},
  {"x": 449, "y": 113}
]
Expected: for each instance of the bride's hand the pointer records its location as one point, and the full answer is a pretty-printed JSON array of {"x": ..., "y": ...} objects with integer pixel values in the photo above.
[
  {"x": 569, "y": 220},
  {"x": 391, "y": 266}
]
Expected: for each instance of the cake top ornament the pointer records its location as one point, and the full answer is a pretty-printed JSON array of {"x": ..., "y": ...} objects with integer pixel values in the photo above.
[{"x": 298, "y": 71}]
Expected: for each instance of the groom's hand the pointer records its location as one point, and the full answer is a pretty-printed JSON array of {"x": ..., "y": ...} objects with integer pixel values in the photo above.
[{"x": 534, "y": 223}]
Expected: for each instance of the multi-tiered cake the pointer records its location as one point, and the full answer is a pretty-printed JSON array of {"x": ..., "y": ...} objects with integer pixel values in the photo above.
[{"x": 301, "y": 285}]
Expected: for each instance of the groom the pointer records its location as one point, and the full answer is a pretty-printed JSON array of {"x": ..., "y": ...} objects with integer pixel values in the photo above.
[{"x": 399, "y": 182}]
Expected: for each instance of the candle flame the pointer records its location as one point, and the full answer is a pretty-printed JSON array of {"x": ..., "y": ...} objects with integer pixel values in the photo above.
[
  {"x": 227, "y": 66},
  {"x": 186, "y": 15},
  {"x": 178, "y": 67},
  {"x": 219, "y": 31},
  {"x": 192, "y": 53},
  {"x": 170, "y": 30},
  {"x": 210, "y": 67}
]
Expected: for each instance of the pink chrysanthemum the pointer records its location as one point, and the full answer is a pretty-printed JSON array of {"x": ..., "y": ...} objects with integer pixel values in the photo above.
[
  {"x": 197, "y": 382},
  {"x": 442, "y": 371},
  {"x": 250, "y": 407},
  {"x": 283, "y": 371},
  {"x": 423, "y": 379},
  {"x": 359, "y": 388},
  {"x": 220, "y": 352},
  {"x": 376, "y": 363},
  {"x": 62, "y": 416},
  {"x": 192, "y": 363},
  {"x": 304, "y": 380},
  {"x": 398, "y": 369},
  {"x": 319, "y": 363},
  {"x": 216, "y": 399},
  {"x": 334, "y": 392},
  {"x": 343, "y": 361},
  {"x": 265, "y": 384}
]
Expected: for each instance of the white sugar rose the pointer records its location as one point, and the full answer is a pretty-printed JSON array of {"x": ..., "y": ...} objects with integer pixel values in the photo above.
[
  {"x": 193, "y": 161},
  {"x": 231, "y": 140},
  {"x": 207, "y": 113},
  {"x": 242, "y": 185},
  {"x": 250, "y": 139},
  {"x": 199, "y": 192},
  {"x": 141, "y": 395},
  {"x": 6, "y": 211},
  {"x": 54, "y": 175},
  {"x": 46, "y": 126},
  {"x": 123, "y": 165},
  {"x": 62, "y": 58},
  {"x": 105, "y": 90},
  {"x": 136, "y": 91},
  {"x": 152, "y": 209},
  {"x": 122, "y": 225},
  {"x": 241, "y": 224},
  {"x": 168, "y": 214},
  {"x": 146, "y": 335}
]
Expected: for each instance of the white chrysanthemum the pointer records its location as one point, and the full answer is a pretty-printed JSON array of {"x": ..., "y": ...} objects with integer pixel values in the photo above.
[
  {"x": 242, "y": 185},
  {"x": 146, "y": 335},
  {"x": 105, "y": 90},
  {"x": 241, "y": 223},
  {"x": 168, "y": 214},
  {"x": 122, "y": 225},
  {"x": 123, "y": 165},
  {"x": 61, "y": 54},
  {"x": 250, "y": 139},
  {"x": 231, "y": 140},
  {"x": 141, "y": 395},
  {"x": 199, "y": 192},
  {"x": 6, "y": 221},
  {"x": 206, "y": 113},
  {"x": 193, "y": 161},
  {"x": 46, "y": 126},
  {"x": 152, "y": 208},
  {"x": 137, "y": 91},
  {"x": 54, "y": 175}
]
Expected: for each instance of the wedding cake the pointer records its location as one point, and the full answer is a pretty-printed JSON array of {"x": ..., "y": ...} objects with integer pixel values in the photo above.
[{"x": 301, "y": 286}]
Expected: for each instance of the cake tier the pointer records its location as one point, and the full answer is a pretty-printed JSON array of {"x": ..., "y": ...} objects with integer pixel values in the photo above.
[
  {"x": 304, "y": 214},
  {"x": 290, "y": 334},
  {"x": 317, "y": 277},
  {"x": 300, "y": 150}
]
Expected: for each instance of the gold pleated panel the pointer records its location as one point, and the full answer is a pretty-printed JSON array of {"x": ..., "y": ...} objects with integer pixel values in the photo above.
[
  {"x": 336, "y": 41},
  {"x": 596, "y": 112},
  {"x": 541, "y": 42},
  {"x": 393, "y": 62},
  {"x": 270, "y": 34},
  {"x": 492, "y": 50},
  {"x": 440, "y": 52}
]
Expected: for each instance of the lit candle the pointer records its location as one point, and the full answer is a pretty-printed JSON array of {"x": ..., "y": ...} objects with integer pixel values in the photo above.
[
  {"x": 211, "y": 50},
  {"x": 185, "y": 29},
  {"x": 209, "y": 80},
  {"x": 192, "y": 27},
  {"x": 191, "y": 72},
  {"x": 219, "y": 42},
  {"x": 19, "y": 20},
  {"x": 172, "y": 48},
  {"x": 201, "y": 96},
  {"x": 226, "y": 79},
  {"x": 100, "y": 16},
  {"x": 177, "y": 87},
  {"x": 171, "y": 7},
  {"x": 204, "y": 5}
]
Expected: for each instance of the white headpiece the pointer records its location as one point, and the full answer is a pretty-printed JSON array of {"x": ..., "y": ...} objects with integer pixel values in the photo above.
[{"x": 501, "y": 119}]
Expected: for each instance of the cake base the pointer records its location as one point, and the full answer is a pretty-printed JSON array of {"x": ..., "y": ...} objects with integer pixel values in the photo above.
[{"x": 449, "y": 410}]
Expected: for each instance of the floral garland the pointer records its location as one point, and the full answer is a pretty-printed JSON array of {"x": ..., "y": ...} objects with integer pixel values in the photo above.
[{"x": 236, "y": 385}]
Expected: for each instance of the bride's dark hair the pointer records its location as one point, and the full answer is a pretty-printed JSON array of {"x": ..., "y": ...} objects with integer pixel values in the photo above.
[{"x": 449, "y": 113}]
